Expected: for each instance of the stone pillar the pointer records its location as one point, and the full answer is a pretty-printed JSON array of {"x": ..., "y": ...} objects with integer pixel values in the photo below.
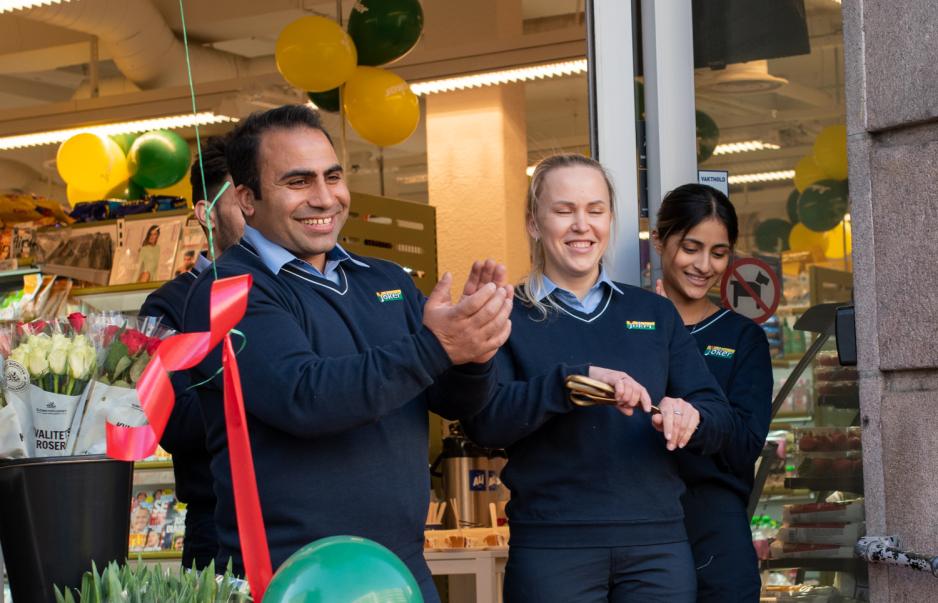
[
  {"x": 476, "y": 160},
  {"x": 892, "y": 124}
]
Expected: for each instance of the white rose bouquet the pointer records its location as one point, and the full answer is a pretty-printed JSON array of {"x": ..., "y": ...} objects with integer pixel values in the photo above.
[{"x": 46, "y": 377}]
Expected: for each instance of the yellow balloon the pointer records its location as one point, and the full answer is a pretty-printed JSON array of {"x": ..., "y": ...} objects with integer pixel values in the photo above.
[
  {"x": 91, "y": 162},
  {"x": 801, "y": 238},
  {"x": 380, "y": 106},
  {"x": 76, "y": 195},
  {"x": 839, "y": 241},
  {"x": 315, "y": 54},
  {"x": 830, "y": 151},
  {"x": 807, "y": 172}
]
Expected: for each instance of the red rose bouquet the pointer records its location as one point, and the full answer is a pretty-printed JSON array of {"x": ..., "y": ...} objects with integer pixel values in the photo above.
[{"x": 125, "y": 347}]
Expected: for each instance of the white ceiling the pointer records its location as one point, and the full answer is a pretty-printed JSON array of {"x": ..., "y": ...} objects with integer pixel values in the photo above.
[{"x": 42, "y": 64}]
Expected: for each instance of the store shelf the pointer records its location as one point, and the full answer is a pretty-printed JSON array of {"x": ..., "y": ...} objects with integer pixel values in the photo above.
[
  {"x": 128, "y": 288},
  {"x": 149, "y": 465},
  {"x": 14, "y": 275},
  {"x": 814, "y": 564},
  {"x": 850, "y": 401},
  {"x": 160, "y": 477},
  {"x": 827, "y": 484},
  {"x": 145, "y": 555}
]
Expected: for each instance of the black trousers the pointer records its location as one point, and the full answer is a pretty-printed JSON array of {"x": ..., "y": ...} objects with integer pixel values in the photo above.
[
  {"x": 655, "y": 573},
  {"x": 718, "y": 530}
]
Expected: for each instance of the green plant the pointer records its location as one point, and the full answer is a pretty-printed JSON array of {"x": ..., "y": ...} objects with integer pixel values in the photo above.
[{"x": 152, "y": 584}]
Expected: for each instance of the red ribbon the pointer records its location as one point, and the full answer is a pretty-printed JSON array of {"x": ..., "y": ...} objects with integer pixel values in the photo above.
[{"x": 183, "y": 351}]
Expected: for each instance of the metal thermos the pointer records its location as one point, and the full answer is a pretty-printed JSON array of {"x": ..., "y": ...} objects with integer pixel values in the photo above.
[{"x": 472, "y": 476}]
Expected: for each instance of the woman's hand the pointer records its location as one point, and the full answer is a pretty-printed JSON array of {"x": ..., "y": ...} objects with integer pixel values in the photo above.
[
  {"x": 629, "y": 392},
  {"x": 678, "y": 421}
]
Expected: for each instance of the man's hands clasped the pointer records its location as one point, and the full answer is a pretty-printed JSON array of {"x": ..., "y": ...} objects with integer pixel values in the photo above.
[{"x": 473, "y": 328}]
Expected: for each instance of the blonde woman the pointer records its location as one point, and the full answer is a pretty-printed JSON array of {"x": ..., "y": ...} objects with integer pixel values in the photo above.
[{"x": 595, "y": 509}]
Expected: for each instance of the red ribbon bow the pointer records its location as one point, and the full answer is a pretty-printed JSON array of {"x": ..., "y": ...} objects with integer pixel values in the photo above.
[{"x": 229, "y": 301}]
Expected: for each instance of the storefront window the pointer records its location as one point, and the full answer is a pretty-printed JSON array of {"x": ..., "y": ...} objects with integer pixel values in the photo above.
[{"x": 770, "y": 114}]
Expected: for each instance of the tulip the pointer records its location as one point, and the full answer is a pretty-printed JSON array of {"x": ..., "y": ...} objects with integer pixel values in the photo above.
[{"x": 20, "y": 354}]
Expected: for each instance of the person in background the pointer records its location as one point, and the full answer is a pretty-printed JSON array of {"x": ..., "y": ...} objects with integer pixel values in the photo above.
[
  {"x": 695, "y": 236},
  {"x": 343, "y": 357},
  {"x": 184, "y": 436},
  {"x": 149, "y": 255},
  {"x": 595, "y": 509}
]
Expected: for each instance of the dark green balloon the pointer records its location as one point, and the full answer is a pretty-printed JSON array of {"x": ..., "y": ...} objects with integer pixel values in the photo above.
[
  {"x": 772, "y": 235},
  {"x": 792, "y": 206},
  {"x": 129, "y": 191},
  {"x": 327, "y": 101},
  {"x": 124, "y": 141},
  {"x": 708, "y": 136},
  {"x": 158, "y": 159},
  {"x": 384, "y": 30},
  {"x": 342, "y": 569},
  {"x": 823, "y": 205}
]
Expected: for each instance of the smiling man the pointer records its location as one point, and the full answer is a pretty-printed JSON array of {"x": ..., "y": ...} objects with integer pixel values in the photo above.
[{"x": 343, "y": 357}]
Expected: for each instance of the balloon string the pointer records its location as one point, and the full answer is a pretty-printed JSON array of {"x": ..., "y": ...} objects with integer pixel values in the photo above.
[
  {"x": 198, "y": 138},
  {"x": 221, "y": 369},
  {"x": 208, "y": 222}
]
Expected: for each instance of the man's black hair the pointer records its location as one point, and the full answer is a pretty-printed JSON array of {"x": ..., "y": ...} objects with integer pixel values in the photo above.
[
  {"x": 245, "y": 140},
  {"x": 215, "y": 166}
]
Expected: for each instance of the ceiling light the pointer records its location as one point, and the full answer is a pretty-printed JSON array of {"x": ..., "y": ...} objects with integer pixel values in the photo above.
[
  {"x": 172, "y": 122},
  {"x": 530, "y": 170},
  {"x": 504, "y": 76},
  {"x": 744, "y": 147},
  {"x": 644, "y": 235},
  {"x": 7, "y": 6},
  {"x": 762, "y": 177}
]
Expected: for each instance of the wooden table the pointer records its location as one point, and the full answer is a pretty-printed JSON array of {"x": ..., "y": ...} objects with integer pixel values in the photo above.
[{"x": 486, "y": 566}]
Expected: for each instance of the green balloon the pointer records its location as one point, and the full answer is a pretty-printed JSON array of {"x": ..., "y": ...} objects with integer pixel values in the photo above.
[
  {"x": 326, "y": 101},
  {"x": 158, "y": 159},
  {"x": 792, "y": 206},
  {"x": 124, "y": 141},
  {"x": 343, "y": 569},
  {"x": 129, "y": 191},
  {"x": 823, "y": 205},
  {"x": 384, "y": 30},
  {"x": 772, "y": 235},
  {"x": 708, "y": 135}
]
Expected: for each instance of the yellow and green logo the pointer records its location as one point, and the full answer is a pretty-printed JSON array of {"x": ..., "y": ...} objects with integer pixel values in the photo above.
[
  {"x": 640, "y": 325},
  {"x": 718, "y": 352},
  {"x": 389, "y": 295}
]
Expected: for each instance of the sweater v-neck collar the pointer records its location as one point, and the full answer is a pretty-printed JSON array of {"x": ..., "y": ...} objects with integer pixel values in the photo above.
[{"x": 583, "y": 316}]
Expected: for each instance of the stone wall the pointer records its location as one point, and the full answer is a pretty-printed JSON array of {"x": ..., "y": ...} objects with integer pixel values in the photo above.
[{"x": 891, "y": 56}]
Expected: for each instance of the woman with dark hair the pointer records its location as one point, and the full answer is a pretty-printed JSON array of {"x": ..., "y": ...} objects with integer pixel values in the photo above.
[
  {"x": 149, "y": 255},
  {"x": 595, "y": 507},
  {"x": 695, "y": 236}
]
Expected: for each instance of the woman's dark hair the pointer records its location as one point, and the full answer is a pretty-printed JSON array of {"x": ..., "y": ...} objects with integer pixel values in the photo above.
[
  {"x": 214, "y": 166},
  {"x": 690, "y": 204},
  {"x": 151, "y": 230}
]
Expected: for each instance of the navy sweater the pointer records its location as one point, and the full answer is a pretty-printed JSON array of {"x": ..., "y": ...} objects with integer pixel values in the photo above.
[
  {"x": 737, "y": 352},
  {"x": 337, "y": 381},
  {"x": 184, "y": 436},
  {"x": 587, "y": 477}
]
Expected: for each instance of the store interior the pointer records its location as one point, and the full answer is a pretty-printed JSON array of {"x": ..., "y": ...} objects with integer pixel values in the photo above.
[{"x": 70, "y": 65}]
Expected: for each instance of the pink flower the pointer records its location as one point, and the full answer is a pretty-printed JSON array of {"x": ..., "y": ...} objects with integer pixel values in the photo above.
[
  {"x": 77, "y": 320},
  {"x": 134, "y": 340},
  {"x": 152, "y": 344},
  {"x": 109, "y": 332}
]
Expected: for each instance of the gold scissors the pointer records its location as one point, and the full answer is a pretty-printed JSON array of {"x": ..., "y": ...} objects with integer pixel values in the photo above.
[{"x": 589, "y": 392}]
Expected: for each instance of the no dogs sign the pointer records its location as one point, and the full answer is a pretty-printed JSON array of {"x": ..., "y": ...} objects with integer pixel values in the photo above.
[{"x": 751, "y": 288}]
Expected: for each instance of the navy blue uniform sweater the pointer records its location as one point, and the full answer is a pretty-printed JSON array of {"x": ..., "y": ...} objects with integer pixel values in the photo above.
[
  {"x": 337, "y": 381},
  {"x": 736, "y": 351},
  {"x": 184, "y": 436},
  {"x": 586, "y": 477}
]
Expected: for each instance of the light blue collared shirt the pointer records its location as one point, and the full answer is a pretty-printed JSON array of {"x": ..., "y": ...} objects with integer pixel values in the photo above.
[
  {"x": 590, "y": 301},
  {"x": 276, "y": 257},
  {"x": 202, "y": 263}
]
